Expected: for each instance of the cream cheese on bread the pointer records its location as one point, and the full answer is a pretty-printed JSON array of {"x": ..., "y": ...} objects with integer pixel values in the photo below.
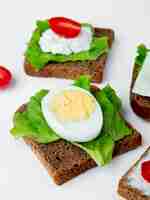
[
  {"x": 51, "y": 42},
  {"x": 135, "y": 178},
  {"x": 142, "y": 83}
]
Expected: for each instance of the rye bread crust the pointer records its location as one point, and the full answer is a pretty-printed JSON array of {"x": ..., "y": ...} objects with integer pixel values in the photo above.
[
  {"x": 139, "y": 104},
  {"x": 128, "y": 192},
  {"x": 64, "y": 161},
  {"x": 72, "y": 70}
]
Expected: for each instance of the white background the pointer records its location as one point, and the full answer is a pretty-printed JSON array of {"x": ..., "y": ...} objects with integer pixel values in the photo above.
[{"x": 21, "y": 176}]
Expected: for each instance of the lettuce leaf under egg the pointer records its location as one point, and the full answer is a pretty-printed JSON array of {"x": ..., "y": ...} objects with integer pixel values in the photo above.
[
  {"x": 114, "y": 127},
  {"x": 83, "y": 82},
  {"x": 38, "y": 59},
  {"x": 31, "y": 123}
]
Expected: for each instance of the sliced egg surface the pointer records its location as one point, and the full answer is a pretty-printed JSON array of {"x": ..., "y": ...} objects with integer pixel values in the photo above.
[
  {"x": 73, "y": 113},
  {"x": 51, "y": 42},
  {"x": 142, "y": 83}
]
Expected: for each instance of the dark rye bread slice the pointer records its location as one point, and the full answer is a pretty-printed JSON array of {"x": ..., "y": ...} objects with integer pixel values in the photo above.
[
  {"x": 64, "y": 161},
  {"x": 126, "y": 191},
  {"x": 139, "y": 104},
  {"x": 72, "y": 70}
]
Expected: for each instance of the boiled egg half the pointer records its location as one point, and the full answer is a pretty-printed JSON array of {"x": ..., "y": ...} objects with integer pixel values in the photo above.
[{"x": 73, "y": 113}]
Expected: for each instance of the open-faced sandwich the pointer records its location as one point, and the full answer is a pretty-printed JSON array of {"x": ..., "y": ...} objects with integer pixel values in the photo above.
[
  {"x": 140, "y": 88},
  {"x": 64, "y": 48},
  {"x": 135, "y": 184},
  {"x": 75, "y": 128}
]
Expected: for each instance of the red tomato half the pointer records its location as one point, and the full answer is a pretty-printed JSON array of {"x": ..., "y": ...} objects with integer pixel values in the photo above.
[
  {"x": 145, "y": 170},
  {"x": 5, "y": 76},
  {"x": 65, "y": 27}
]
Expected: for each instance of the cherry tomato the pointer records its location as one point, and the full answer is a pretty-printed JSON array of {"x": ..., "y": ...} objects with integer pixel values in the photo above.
[
  {"x": 5, "y": 76},
  {"x": 145, "y": 170},
  {"x": 65, "y": 27}
]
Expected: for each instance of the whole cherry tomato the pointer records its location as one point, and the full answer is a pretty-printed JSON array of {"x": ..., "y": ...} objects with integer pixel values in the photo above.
[
  {"x": 65, "y": 27},
  {"x": 145, "y": 170},
  {"x": 5, "y": 76}
]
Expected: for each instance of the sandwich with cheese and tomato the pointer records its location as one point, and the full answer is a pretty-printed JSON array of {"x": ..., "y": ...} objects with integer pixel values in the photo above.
[{"x": 63, "y": 48}]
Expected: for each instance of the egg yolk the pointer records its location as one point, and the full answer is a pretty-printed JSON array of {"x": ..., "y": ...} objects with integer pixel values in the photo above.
[{"x": 73, "y": 106}]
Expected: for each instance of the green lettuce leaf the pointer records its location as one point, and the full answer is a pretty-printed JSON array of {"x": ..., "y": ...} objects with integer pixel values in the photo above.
[
  {"x": 39, "y": 59},
  {"x": 42, "y": 25},
  {"x": 141, "y": 54},
  {"x": 114, "y": 125},
  {"x": 113, "y": 98},
  {"x": 31, "y": 123},
  {"x": 22, "y": 126},
  {"x": 83, "y": 82},
  {"x": 100, "y": 149}
]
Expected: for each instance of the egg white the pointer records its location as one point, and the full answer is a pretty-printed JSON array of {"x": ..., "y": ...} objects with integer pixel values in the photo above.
[{"x": 74, "y": 131}]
